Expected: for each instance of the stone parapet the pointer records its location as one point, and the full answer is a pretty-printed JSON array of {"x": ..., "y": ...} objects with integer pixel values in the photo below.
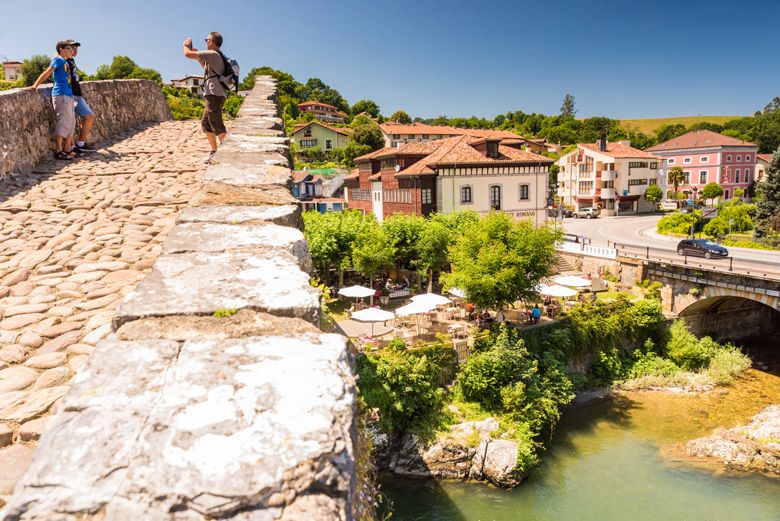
[
  {"x": 216, "y": 396},
  {"x": 27, "y": 117}
]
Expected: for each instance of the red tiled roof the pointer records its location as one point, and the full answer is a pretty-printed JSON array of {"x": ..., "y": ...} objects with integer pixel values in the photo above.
[
  {"x": 490, "y": 134},
  {"x": 458, "y": 151},
  {"x": 308, "y": 103},
  {"x": 700, "y": 139},
  {"x": 765, "y": 157},
  {"x": 618, "y": 151},
  {"x": 301, "y": 175},
  {"x": 353, "y": 174},
  {"x": 373, "y": 154},
  {"x": 12, "y": 63},
  {"x": 300, "y": 126},
  {"x": 418, "y": 128}
]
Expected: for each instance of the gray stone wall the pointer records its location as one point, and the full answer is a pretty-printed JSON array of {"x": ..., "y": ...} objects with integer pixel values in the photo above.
[
  {"x": 27, "y": 117},
  {"x": 216, "y": 396}
]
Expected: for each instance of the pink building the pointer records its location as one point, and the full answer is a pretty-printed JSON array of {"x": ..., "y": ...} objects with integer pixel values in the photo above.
[{"x": 708, "y": 157}]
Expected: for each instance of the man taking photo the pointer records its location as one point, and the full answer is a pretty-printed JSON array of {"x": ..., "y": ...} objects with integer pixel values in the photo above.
[{"x": 214, "y": 93}]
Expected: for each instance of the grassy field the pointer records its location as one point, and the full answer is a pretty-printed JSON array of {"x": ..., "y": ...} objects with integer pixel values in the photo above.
[{"x": 649, "y": 125}]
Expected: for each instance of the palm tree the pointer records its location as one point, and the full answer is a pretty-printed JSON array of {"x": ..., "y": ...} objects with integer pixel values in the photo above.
[{"x": 676, "y": 176}]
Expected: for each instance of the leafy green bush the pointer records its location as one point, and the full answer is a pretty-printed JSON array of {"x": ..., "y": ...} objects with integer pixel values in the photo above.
[
  {"x": 687, "y": 351},
  {"x": 405, "y": 385},
  {"x": 679, "y": 223},
  {"x": 650, "y": 364},
  {"x": 726, "y": 362}
]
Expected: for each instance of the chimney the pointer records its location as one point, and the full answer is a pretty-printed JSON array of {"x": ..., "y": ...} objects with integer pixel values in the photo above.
[{"x": 602, "y": 143}]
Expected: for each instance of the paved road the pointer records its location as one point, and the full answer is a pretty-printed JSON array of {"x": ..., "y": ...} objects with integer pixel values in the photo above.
[
  {"x": 640, "y": 230},
  {"x": 75, "y": 237}
]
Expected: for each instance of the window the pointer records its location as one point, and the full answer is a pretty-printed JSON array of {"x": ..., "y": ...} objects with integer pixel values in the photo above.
[
  {"x": 670, "y": 160},
  {"x": 425, "y": 136},
  {"x": 635, "y": 182},
  {"x": 687, "y": 178},
  {"x": 747, "y": 175},
  {"x": 652, "y": 181},
  {"x": 306, "y": 143},
  {"x": 705, "y": 159},
  {"x": 396, "y": 136},
  {"x": 307, "y": 132},
  {"x": 686, "y": 160},
  {"x": 726, "y": 194},
  {"x": 739, "y": 158},
  {"x": 328, "y": 144},
  {"x": 465, "y": 195},
  {"x": 523, "y": 192},
  {"x": 728, "y": 158},
  {"x": 426, "y": 194},
  {"x": 492, "y": 149},
  {"x": 747, "y": 158},
  {"x": 736, "y": 175},
  {"x": 654, "y": 166},
  {"x": 495, "y": 197},
  {"x": 703, "y": 177},
  {"x": 637, "y": 165}
]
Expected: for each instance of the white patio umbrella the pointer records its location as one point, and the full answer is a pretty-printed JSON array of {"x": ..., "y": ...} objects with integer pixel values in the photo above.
[
  {"x": 431, "y": 298},
  {"x": 457, "y": 292},
  {"x": 556, "y": 291},
  {"x": 356, "y": 291},
  {"x": 415, "y": 308},
  {"x": 572, "y": 280},
  {"x": 372, "y": 315}
]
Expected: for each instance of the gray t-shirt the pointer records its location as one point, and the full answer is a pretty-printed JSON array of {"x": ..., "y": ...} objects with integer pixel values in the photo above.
[{"x": 212, "y": 65}]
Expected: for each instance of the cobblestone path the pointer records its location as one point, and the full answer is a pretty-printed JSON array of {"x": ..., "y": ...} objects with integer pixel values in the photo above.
[{"x": 75, "y": 237}]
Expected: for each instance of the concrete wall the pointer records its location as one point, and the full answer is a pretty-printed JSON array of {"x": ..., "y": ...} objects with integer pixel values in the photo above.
[
  {"x": 216, "y": 396},
  {"x": 27, "y": 117}
]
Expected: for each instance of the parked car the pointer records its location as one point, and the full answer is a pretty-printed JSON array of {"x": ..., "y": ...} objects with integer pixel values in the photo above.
[
  {"x": 587, "y": 213},
  {"x": 703, "y": 247}
]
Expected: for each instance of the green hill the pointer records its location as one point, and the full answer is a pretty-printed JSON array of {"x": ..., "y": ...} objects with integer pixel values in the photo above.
[{"x": 649, "y": 125}]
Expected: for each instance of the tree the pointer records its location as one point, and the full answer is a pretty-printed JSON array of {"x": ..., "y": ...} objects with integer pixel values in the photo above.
[
  {"x": 331, "y": 237},
  {"x": 567, "y": 107},
  {"x": 711, "y": 191},
  {"x": 653, "y": 195},
  {"x": 317, "y": 90},
  {"x": 367, "y": 106},
  {"x": 353, "y": 150},
  {"x": 772, "y": 105},
  {"x": 372, "y": 252},
  {"x": 768, "y": 209},
  {"x": 33, "y": 67},
  {"x": 667, "y": 132},
  {"x": 123, "y": 67},
  {"x": 499, "y": 260},
  {"x": 404, "y": 232},
  {"x": 432, "y": 250},
  {"x": 676, "y": 176},
  {"x": 367, "y": 132},
  {"x": 399, "y": 116}
]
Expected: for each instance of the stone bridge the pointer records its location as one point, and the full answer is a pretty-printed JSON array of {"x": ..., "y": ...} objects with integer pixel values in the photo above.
[
  {"x": 159, "y": 338},
  {"x": 727, "y": 306}
]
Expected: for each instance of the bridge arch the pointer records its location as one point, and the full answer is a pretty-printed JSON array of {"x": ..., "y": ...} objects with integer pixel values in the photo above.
[{"x": 730, "y": 317}]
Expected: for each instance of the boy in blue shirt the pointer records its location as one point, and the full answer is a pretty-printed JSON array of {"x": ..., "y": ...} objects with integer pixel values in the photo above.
[{"x": 62, "y": 99}]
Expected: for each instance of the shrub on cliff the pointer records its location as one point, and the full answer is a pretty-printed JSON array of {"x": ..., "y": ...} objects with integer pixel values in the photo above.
[
  {"x": 687, "y": 351},
  {"x": 404, "y": 385}
]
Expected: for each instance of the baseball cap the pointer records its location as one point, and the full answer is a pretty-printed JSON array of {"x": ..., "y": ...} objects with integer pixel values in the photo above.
[{"x": 74, "y": 43}]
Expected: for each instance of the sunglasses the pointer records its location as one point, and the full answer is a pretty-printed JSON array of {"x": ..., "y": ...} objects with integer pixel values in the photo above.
[{"x": 208, "y": 40}]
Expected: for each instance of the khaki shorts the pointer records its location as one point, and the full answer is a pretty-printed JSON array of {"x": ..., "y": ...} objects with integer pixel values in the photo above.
[{"x": 65, "y": 111}]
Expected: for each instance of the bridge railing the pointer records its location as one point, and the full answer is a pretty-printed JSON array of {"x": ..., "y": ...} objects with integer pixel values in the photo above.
[{"x": 770, "y": 270}]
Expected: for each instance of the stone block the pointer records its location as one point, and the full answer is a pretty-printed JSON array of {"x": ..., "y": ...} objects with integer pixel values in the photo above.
[
  {"x": 284, "y": 215},
  {"x": 257, "y": 176},
  {"x": 224, "y": 194},
  {"x": 210, "y": 237},
  {"x": 203, "y": 283},
  {"x": 142, "y": 436}
]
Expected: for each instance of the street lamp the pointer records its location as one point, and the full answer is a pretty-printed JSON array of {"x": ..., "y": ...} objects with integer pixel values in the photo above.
[{"x": 693, "y": 210}]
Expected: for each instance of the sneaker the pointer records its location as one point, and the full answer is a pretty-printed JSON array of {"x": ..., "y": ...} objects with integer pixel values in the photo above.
[
  {"x": 207, "y": 157},
  {"x": 77, "y": 152},
  {"x": 86, "y": 148}
]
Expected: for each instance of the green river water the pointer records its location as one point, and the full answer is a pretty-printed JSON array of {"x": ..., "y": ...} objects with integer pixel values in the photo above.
[{"x": 619, "y": 459}]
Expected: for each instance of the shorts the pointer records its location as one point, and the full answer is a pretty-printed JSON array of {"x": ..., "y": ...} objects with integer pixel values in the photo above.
[
  {"x": 65, "y": 125},
  {"x": 82, "y": 107},
  {"x": 212, "y": 115}
]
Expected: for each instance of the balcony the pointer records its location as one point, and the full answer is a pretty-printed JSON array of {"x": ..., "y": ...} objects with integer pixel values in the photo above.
[
  {"x": 608, "y": 193},
  {"x": 608, "y": 175}
]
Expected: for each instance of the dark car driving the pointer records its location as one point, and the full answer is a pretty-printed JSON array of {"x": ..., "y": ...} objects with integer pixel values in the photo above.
[{"x": 703, "y": 247}]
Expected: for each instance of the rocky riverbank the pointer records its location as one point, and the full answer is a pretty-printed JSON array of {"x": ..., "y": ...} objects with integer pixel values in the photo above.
[
  {"x": 467, "y": 451},
  {"x": 753, "y": 447}
]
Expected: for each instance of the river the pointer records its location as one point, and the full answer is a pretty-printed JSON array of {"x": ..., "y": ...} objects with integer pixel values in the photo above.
[{"x": 617, "y": 460}]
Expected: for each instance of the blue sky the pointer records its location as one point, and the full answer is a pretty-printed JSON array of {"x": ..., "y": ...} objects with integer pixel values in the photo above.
[{"x": 622, "y": 59}]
